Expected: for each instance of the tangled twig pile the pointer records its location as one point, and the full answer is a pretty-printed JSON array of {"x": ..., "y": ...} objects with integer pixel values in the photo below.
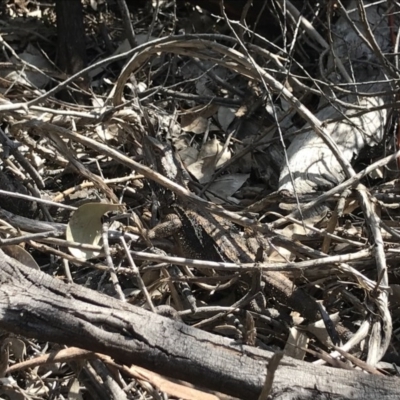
[{"x": 291, "y": 249}]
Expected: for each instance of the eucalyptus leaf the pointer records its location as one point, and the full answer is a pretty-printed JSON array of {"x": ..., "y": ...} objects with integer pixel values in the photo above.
[
  {"x": 85, "y": 227},
  {"x": 21, "y": 255}
]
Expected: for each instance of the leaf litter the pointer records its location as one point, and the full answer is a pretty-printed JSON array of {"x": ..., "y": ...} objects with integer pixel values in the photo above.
[{"x": 204, "y": 98}]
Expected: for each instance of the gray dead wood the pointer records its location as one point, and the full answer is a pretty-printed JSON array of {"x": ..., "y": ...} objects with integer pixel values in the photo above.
[
  {"x": 36, "y": 305},
  {"x": 312, "y": 164}
]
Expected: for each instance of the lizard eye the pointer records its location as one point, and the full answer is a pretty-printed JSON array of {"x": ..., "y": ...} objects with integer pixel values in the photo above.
[{"x": 157, "y": 151}]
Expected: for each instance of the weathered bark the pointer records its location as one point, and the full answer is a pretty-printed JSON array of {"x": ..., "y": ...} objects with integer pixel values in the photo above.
[{"x": 36, "y": 305}]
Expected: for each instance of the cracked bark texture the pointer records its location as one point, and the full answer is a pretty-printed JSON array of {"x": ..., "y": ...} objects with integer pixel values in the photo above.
[{"x": 39, "y": 306}]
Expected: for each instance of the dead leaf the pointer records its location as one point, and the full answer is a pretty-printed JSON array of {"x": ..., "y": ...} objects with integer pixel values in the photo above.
[
  {"x": 21, "y": 255},
  {"x": 197, "y": 125},
  {"x": 209, "y": 159},
  {"x": 225, "y": 117},
  {"x": 227, "y": 185},
  {"x": 188, "y": 155},
  {"x": 18, "y": 348},
  {"x": 28, "y": 77},
  {"x": 213, "y": 148},
  {"x": 85, "y": 227},
  {"x": 296, "y": 344}
]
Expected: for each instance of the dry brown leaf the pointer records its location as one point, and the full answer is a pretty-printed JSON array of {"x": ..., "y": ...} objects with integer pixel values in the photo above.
[
  {"x": 196, "y": 125},
  {"x": 296, "y": 344},
  {"x": 209, "y": 159},
  {"x": 226, "y": 186}
]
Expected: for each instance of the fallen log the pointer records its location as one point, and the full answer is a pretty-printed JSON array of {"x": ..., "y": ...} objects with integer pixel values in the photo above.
[{"x": 39, "y": 306}]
